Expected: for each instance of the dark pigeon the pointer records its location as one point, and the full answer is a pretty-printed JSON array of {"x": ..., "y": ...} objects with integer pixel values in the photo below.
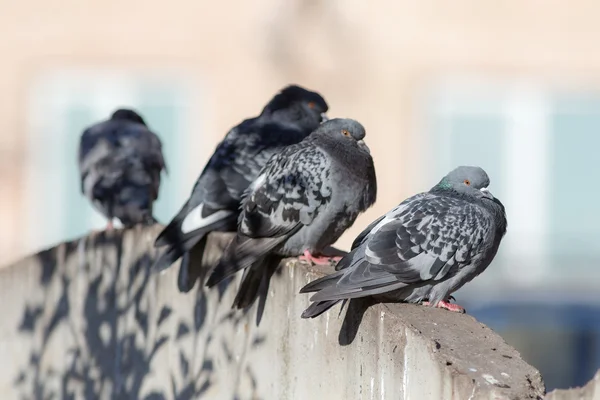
[
  {"x": 302, "y": 202},
  {"x": 120, "y": 162},
  {"x": 423, "y": 250},
  {"x": 215, "y": 200}
]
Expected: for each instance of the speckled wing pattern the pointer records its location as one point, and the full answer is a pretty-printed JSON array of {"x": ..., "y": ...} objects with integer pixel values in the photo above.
[
  {"x": 119, "y": 152},
  {"x": 215, "y": 200},
  {"x": 289, "y": 192},
  {"x": 425, "y": 238},
  {"x": 237, "y": 161}
]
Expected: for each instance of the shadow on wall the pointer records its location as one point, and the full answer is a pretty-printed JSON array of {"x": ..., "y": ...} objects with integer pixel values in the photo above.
[
  {"x": 90, "y": 320},
  {"x": 113, "y": 323}
]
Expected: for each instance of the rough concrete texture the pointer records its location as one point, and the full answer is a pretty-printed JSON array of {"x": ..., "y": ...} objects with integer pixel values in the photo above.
[
  {"x": 88, "y": 319},
  {"x": 591, "y": 391}
]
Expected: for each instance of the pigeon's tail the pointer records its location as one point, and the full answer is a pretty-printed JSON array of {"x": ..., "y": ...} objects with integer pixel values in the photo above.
[
  {"x": 256, "y": 281},
  {"x": 318, "y": 308},
  {"x": 175, "y": 250},
  {"x": 133, "y": 205},
  {"x": 322, "y": 283},
  {"x": 189, "y": 273},
  {"x": 126, "y": 189},
  {"x": 179, "y": 239},
  {"x": 241, "y": 253}
]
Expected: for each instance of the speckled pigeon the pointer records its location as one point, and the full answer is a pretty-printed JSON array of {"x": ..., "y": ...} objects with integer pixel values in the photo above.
[
  {"x": 215, "y": 199},
  {"x": 120, "y": 162},
  {"x": 421, "y": 251},
  {"x": 302, "y": 202}
]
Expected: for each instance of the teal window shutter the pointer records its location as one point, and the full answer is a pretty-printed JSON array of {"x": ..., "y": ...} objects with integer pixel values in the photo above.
[
  {"x": 80, "y": 213},
  {"x": 69, "y": 103},
  {"x": 574, "y": 192}
]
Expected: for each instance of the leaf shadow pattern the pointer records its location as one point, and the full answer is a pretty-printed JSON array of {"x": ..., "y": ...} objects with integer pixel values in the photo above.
[{"x": 98, "y": 306}]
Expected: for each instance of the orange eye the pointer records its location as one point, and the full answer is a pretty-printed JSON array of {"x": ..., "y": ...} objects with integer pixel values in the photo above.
[
  {"x": 467, "y": 182},
  {"x": 311, "y": 104},
  {"x": 345, "y": 133}
]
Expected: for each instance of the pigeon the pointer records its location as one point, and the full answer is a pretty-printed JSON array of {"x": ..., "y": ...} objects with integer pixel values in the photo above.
[
  {"x": 120, "y": 162},
  {"x": 214, "y": 204},
  {"x": 301, "y": 202},
  {"x": 423, "y": 250}
]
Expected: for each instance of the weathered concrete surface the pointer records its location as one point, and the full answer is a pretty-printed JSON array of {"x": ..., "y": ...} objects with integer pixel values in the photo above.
[
  {"x": 88, "y": 320},
  {"x": 591, "y": 391}
]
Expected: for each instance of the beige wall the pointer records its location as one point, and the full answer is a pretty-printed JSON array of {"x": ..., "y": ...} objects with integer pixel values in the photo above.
[{"x": 371, "y": 62}]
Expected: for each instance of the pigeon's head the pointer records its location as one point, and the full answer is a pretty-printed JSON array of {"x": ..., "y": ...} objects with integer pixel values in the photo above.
[
  {"x": 472, "y": 181},
  {"x": 126, "y": 114},
  {"x": 297, "y": 105},
  {"x": 344, "y": 131}
]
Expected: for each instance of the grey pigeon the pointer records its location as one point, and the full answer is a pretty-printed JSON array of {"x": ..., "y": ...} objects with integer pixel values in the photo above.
[
  {"x": 421, "y": 251},
  {"x": 120, "y": 162},
  {"x": 215, "y": 199},
  {"x": 302, "y": 202}
]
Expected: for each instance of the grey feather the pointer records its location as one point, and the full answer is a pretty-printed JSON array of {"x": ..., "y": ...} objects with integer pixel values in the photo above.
[
  {"x": 304, "y": 199},
  {"x": 424, "y": 249},
  {"x": 120, "y": 162},
  {"x": 214, "y": 202}
]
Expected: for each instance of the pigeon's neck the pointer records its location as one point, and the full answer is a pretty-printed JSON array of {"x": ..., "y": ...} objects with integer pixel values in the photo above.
[
  {"x": 356, "y": 160},
  {"x": 445, "y": 189},
  {"x": 494, "y": 207}
]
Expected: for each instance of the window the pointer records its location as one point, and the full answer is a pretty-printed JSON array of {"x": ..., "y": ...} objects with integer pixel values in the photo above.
[
  {"x": 540, "y": 149},
  {"x": 61, "y": 106}
]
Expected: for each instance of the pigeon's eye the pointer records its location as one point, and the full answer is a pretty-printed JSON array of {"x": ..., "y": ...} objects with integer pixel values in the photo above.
[
  {"x": 311, "y": 104},
  {"x": 467, "y": 182},
  {"x": 345, "y": 133}
]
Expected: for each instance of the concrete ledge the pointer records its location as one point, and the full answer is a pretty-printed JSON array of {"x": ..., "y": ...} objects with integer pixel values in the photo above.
[
  {"x": 87, "y": 319},
  {"x": 591, "y": 391}
]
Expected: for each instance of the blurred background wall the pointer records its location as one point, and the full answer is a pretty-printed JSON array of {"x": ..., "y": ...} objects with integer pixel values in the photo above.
[{"x": 512, "y": 86}]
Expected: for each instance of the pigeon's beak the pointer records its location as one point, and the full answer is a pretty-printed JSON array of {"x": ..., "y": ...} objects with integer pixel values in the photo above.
[
  {"x": 363, "y": 145},
  {"x": 486, "y": 193},
  {"x": 324, "y": 117}
]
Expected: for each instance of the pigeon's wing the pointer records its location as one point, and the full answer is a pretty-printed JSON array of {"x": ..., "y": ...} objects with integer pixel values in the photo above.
[
  {"x": 136, "y": 141},
  {"x": 110, "y": 146},
  {"x": 231, "y": 168},
  {"x": 365, "y": 233},
  {"x": 287, "y": 195},
  {"x": 378, "y": 222},
  {"x": 290, "y": 191},
  {"x": 214, "y": 202},
  {"x": 244, "y": 153},
  {"x": 425, "y": 238},
  {"x": 212, "y": 206},
  {"x": 235, "y": 163}
]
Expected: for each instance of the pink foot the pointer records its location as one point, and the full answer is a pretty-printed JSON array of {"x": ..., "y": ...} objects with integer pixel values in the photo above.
[
  {"x": 319, "y": 260},
  {"x": 448, "y": 306},
  {"x": 109, "y": 225}
]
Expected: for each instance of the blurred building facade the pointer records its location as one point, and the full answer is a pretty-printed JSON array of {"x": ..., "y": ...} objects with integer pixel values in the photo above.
[{"x": 511, "y": 86}]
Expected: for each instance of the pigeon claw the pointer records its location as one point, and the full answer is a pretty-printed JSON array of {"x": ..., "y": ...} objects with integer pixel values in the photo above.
[
  {"x": 448, "y": 306},
  {"x": 110, "y": 226},
  {"x": 318, "y": 260}
]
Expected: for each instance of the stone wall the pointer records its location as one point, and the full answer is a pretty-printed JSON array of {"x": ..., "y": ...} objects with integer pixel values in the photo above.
[{"x": 88, "y": 320}]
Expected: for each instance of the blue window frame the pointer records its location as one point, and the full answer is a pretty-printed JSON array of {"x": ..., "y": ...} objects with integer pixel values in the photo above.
[
  {"x": 62, "y": 105},
  {"x": 540, "y": 148}
]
